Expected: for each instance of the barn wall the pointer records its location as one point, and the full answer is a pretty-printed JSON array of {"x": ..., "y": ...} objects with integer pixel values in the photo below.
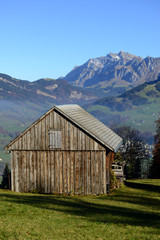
[
  {"x": 37, "y": 137},
  {"x": 75, "y": 172},
  {"x": 78, "y": 167}
]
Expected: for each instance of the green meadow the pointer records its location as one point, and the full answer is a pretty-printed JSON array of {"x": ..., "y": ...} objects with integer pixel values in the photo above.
[{"x": 130, "y": 213}]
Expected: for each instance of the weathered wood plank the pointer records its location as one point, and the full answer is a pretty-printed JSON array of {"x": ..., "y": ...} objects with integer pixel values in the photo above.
[
  {"x": 71, "y": 136},
  {"x": 38, "y": 140},
  {"x": 76, "y": 163},
  {"x": 35, "y": 170},
  {"x": 28, "y": 140},
  {"x": 82, "y": 142},
  {"x": 92, "y": 162},
  {"x": 67, "y": 135},
  {"x": 35, "y": 137},
  {"x": 12, "y": 172},
  {"x": 89, "y": 171},
  {"x": 56, "y": 172},
  {"x": 22, "y": 172},
  {"x": 72, "y": 171},
  {"x": 25, "y": 142},
  {"x": 38, "y": 171},
  {"x": 104, "y": 172},
  {"x": 58, "y": 121},
  {"x": 28, "y": 160},
  {"x": 43, "y": 134},
  {"x": 25, "y": 170},
  {"x": 87, "y": 143},
  {"x": 84, "y": 172},
  {"x": 32, "y": 170},
  {"x": 67, "y": 173},
  {"x": 80, "y": 171},
  {"x": 42, "y": 171},
  {"x": 61, "y": 172},
  {"x": 32, "y": 139},
  {"x": 94, "y": 172},
  {"x": 45, "y": 172},
  {"x": 16, "y": 171},
  {"x": 79, "y": 139},
  {"x": 63, "y": 132},
  {"x": 99, "y": 172},
  {"x": 47, "y": 124},
  {"x": 49, "y": 171},
  {"x": 52, "y": 170}
]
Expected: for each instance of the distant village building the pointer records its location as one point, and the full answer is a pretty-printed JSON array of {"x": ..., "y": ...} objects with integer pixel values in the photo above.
[{"x": 67, "y": 150}]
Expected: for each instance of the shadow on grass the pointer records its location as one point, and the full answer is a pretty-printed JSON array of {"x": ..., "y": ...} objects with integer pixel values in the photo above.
[
  {"x": 139, "y": 200},
  {"x": 101, "y": 213},
  {"x": 147, "y": 187}
]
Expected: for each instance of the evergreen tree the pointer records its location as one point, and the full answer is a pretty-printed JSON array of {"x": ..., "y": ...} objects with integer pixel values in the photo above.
[{"x": 6, "y": 177}]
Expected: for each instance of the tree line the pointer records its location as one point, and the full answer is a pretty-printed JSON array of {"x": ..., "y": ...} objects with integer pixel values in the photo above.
[{"x": 135, "y": 155}]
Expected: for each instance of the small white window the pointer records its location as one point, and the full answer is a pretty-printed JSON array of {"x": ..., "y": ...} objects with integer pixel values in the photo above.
[{"x": 55, "y": 139}]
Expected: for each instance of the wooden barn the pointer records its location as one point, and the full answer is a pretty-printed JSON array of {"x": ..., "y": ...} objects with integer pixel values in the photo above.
[{"x": 65, "y": 151}]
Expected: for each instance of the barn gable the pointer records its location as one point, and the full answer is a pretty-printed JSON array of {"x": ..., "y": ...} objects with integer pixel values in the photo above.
[{"x": 76, "y": 125}]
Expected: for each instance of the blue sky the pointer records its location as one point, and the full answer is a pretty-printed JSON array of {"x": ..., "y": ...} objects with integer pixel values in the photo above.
[{"x": 47, "y": 38}]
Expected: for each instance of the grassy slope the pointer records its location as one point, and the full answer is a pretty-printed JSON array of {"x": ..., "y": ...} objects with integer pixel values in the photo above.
[
  {"x": 140, "y": 117},
  {"x": 131, "y": 213}
]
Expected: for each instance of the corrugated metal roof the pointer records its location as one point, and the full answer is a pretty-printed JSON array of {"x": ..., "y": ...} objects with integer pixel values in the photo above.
[
  {"x": 85, "y": 121},
  {"x": 91, "y": 125}
]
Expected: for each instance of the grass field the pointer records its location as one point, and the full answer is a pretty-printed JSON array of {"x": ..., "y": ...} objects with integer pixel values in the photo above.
[{"x": 130, "y": 213}]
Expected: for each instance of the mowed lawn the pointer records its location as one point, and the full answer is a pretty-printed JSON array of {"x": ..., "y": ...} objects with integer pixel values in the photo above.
[{"x": 132, "y": 212}]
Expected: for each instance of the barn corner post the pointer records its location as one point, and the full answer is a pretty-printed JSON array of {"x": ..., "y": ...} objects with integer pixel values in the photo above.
[{"x": 110, "y": 155}]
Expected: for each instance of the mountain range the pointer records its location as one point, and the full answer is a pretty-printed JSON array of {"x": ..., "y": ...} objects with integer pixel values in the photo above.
[
  {"x": 42, "y": 91},
  {"x": 99, "y": 77},
  {"x": 114, "y": 73}
]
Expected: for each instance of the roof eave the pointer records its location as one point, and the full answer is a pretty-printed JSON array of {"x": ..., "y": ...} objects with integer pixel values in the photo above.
[{"x": 118, "y": 147}]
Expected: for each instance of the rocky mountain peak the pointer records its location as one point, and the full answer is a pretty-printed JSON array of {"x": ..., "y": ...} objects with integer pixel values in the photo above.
[
  {"x": 126, "y": 55},
  {"x": 119, "y": 71},
  {"x": 95, "y": 62},
  {"x": 113, "y": 56},
  {"x": 121, "y": 56}
]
